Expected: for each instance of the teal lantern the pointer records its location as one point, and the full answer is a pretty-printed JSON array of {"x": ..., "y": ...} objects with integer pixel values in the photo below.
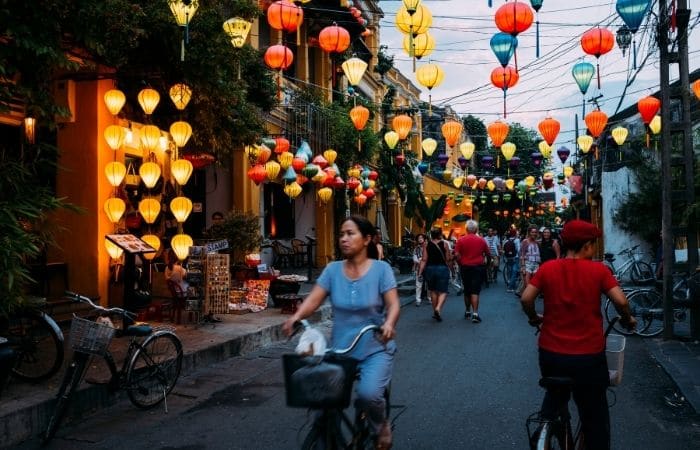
[
  {"x": 495, "y": 198},
  {"x": 633, "y": 13},
  {"x": 583, "y": 74},
  {"x": 536, "y": 5},
  {"x": 503, "y": 46}
]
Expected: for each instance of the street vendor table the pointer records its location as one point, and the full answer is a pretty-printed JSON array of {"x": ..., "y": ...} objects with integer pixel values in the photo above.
[{"x": 283, "y": 285}]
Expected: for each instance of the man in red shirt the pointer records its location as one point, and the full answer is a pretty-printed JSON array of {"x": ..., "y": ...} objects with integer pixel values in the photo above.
[
  {"x": 470, "y": 251},
  {"x": 572, "y": 342}
]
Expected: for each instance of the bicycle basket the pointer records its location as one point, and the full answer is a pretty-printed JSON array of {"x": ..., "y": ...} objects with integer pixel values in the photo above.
[
  {"x": 615, "y": 354},
  {"x": 90, "y": 337},
  {"x": 318, "y": 382}
]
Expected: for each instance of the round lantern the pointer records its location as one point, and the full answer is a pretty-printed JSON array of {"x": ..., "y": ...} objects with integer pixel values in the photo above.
[
  {"x": 153, "y": 241},
  {"x": 419, "y": 46},
  {"x": 414, "y": 24},
  {"x": 545, "y": 149},
  {"x": 150, "y": 173},
  {"x": 597, "y": 42},
  {"x": 430, "y": 75},
  {"x": 359, "y": 116},
  {"x": 514, "y": 18},
  {"x": 338, "y": 183},
  {"x": 334, "y": 39},
  {"x": 148, "y": 99},
  {"x": 596, "y": 121},
  {"x": 180, "y": 95},
  {"x": 392, "y": 139},
  {"x": 114, "y": 135},
  {"x": 115, "y": 172},
  {"x": 324, "y": 194},
  {"x": 452, "y": 131},
  {"x": 114, "y": 208},
  {"x": 330, "y": 156},
  {"x": 467, "y": 149},
  {"x": 584, "y": 142},
  {"x": 655, "y": 124},
  {"x": 150, "y": 138},
  {"x": 549, "y": 129},
  {"x": 293, "y": 190},
  {"x": 483, "y": 183},
  {"x": 181, "y": 244},
  {"x": 114, "y": 100},
  {"x": 149, "y": 209},
  {"x": 497, "y": 132},
  {"x": 272, "y": 169},
  {"x": 504, "y": 77},
  {"x": 181, "y": 132},
  {"x": 181, "y": 170},
  {"x": 113, "y": 250},
  {"x": 402, "y": 124},
  {"x": 285, "y": 15},
  {"x": 257, "y": 173},
  {"x": 429, "y": 145},
  {"x": 181, "y": 207},
  {"x": 278, "y": 57},
  {"x": 648, "y": 107},
  {"x": 619, "y": 134}
]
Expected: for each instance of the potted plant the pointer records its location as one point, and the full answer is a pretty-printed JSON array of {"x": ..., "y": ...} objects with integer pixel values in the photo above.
[{"x": 242, "y": 230}]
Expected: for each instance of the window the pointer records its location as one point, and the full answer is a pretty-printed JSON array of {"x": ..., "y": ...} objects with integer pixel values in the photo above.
[{"x": 279, "y": 212}]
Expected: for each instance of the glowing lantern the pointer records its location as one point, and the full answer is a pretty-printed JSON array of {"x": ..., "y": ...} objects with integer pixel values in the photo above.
[
  {"x": 529, "y": 180},
  {"x": 549, "y": 129},
  {"x": 451, "y": 130},
  {"x": 402, "y": 124},
  {"x": 180, "y": 95},
  {"x": 285, "y": 15},
  {"x": 514, "y": 18},
  {"x": 655, "y": 124},
  {"x": 354, "y": 69},
  {"x": 148, "y": 99},
  {"x": 293, "y": 190},
  {"x": 508, "y": 150},
  {"x": 597, "y": 42},
  {"x": 510, "y": 184},
  {"x": 272, "y": 169},
  {"x": 153, "y": 241},
  {"x": 114, "y": 208},
  {"x": 181, "y": 170},
  {"x": 545, "y": 149},
  {"x": 150, "y": 173},
  {"x": 150, "y": 138},
  {"x": 696, "y": 88},
  {"x": 490, "y": 185},
  {"x": 568, "y": 171},
  {"x": 278, "y": 57},
  {"x": 324, "y": 194},
  {"x": 181, "y": 207},
  {"x": 430, "y": 75},
  {"x": 392, "y": 139},
  {"x": 181, "y": 132},
  {"x": 181, "y": 244},
  {"x": 114, "y": 135},
  {"x": 429, "y": 145},
  {"x": 619, "y": 134},
  {"x": 359, "y": 116},
  {"x": 330, "y": 156},
  {"x": 149, "y": 209},
  {"x": 285, "y": 159},
  {"x": 115, "y": 172},
  {"x": 584, "y": 142},
  {"x": 467, "y": 149},
  {"x": 334, "y": 39},
  {"x": 257, "y": 173},
  {"x": 414, "y": 24},
  {"x": 237, "y": 28},
  {"x": 114, "y": 100},
  {"x": 457, "y": 182},
  {"x": 648, "y": 107},
  {"x": 596, "y": 121},
  {"x": 498, "y": 131},
  {"x": 113, "y": 250}
]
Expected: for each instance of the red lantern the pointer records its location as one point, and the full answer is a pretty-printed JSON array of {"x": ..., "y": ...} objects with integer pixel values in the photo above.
[
  {"x": 285, "y": 15},
  {"x": 359, "y": 116},
  {"x": 257, "y": 173},
  {"x": 504, "y": 78},
  {"x": 301, "y": 179},
  {"x": 334, "y": 39},
  {"x": 361, "y": 199},
  {"x": 353, "y": 183},
  {"x": 369, "y": 193},
  {"x": 549, "y": 129},
  {"x": 498, "y": 131},
  {"x": 648, "y": 107},
  {"x": 452, "y": 130},
  {"x": 596, "y": 121},
  {"x": 514, "y": 18},
  {"x": 281, "y": 145},
  {"x": 373, "y": 175},
  {"x": 597, "y": 42},
  {"x": 400, "y": 159},
  {"x": 402, "y": 124},
  {"x": 298, "y": 164},
  {"x": 278, "y": 57},
  {"x": 199, "y": 160},
  {"x": 320, "y": 161},
  {"x": 338, "y": 183},
  {"x": 356, "y": 13}
]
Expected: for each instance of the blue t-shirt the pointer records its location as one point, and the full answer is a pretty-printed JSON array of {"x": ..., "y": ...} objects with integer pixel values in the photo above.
[{"x": 357, "y": 303}]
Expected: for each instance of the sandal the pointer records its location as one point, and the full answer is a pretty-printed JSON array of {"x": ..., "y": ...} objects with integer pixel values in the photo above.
[{"x": 384, "y": 438}]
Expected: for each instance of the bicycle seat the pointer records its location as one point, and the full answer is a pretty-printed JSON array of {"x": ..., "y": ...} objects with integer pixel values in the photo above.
[
  {"x": 138, "y": 330},
  {"x": 609, "y": 257},
  {"x": 547, "y": 382}
]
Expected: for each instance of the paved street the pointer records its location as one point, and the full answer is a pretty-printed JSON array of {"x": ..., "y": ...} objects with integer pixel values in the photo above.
[{"x": 462, "y": 385}]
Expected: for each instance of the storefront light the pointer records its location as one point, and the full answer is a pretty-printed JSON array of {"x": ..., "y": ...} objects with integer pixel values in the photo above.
[
  {"x": 150, "y": 173},
  {"x": 149, "y": 209},
  {"x": 181, "y": 170},
  {"x": 114, "y": 208},
  {"x": 181, "y": 244},
  {"x": 181, "y": 207},
  {"x": 115, "y": 172}
]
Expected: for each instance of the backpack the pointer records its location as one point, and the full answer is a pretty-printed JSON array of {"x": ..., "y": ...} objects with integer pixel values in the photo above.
[{"x": 509, "y": 249}]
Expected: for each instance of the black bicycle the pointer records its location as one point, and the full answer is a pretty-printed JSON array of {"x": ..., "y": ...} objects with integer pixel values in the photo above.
[{"x": 324, "y": 384}]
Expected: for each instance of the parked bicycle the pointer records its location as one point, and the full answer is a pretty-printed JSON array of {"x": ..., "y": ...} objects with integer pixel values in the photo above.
[
  {"x": 149, "y": 371},
  {"x": 37, "y": 342},
  {"x": 324, "y": 384},
  {"x": 633, "y": 268}
]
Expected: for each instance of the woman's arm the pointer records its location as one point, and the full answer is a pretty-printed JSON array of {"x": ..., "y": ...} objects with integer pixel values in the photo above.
[
  {"x": 307, "y": 307},
  {"x": 391, "y": 302},
  {"x": 423, "y": 261},
  {"x": 557, "y": 249},
  {"x": 380, "y": 252}
]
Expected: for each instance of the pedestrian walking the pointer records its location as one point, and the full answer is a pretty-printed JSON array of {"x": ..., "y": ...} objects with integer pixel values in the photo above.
[
  {"x": 529, "y": 256},
  {"x": 549, "y": 246},
  {"x": 434, "y": 266},
  {"x": 511, "y": 249},
  {"x": 471, "y": 251},
  {"x": 417, "y": 256},
  {"x": 494, "y": 243}
]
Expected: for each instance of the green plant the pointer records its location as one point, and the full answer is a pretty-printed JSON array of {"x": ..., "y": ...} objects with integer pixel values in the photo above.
[
  {"x": 242, "y": 230},
  {"x": 425, "y": 214}
]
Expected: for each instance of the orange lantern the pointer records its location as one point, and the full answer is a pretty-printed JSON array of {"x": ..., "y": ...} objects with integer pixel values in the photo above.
[
  {"x": 514, "y": 18},
  {"x": 498, "y": 131},
  {"x": 278, "y": 57},
  {"x": 402, "y": 124},
  {"x": 648, "y": 107},
  {"x": 264, "y": 154},
  {"x": 359, "y": 116},
  {"x": 281, "y": 145},
  {"x": 361, "y": 199},
  {"x": 549, "y": 129},
  {"x": 596, "y": 121},
  {"x": 257, "y": 173},
  {"x": 334, "y": 39},
  {"x": 285, "y": 15},
  {"x": 452, "y": 130},
  {"x": 696, "y": 88},
  {"x": 597, "y": 42},
  {"x": 504, "y": 78}
]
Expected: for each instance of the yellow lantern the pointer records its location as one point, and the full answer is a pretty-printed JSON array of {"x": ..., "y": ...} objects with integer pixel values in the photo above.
[
  {"x": 285, "y": 159},
  {"x": 149, "y": 209},
  {"x": 508, "y": 150},
  {"x": 330, "y": 156},
  {"x": 529, "y": 180},
  {"x": 183, "y": 12},
  {"x": 423, "y": 45},
  {"x": 114, "y": 208},
  {"x": 414, "y": 24},
  {"x": 30, "y": 129},
  {"x": 272, "y": 168},
  {"x": 148, "y": 99},
  {"x": 568, "y": 171},
  {"x": 411, "y": 5},
  {"x": 150, "y": 172},
  {"x": 429, "y": 145},
  {"x": 655, "y": 124},
  {"x": 354, "y": 172},
  {"x": 114, "y": 100},
  {"x": 252, "y": 151},
  {"x": 619, "y": 134},
  {"x": 113, "y": 250},
  {"x": 181, "y": 244},
  {"x": 324, "y": 194},
  {"x": 150, "y": 138},
  {"x": 114, "y": 135},
  {"x": 584, "y": 142},
  {"x": 490, "y": 185},
  {"x": 181, "y": 132},
  {"x": 447, "y": 175},
  {"x": 153, "y": 241},
  {"x": 115, "y": 172},
  {"x": 237, "y": 29},
  {"x": 181, "y": 170},
  {"x": 180, "y": 94},
  {"x": 545, "y": 149},
  {"x": 354, "y": 69},
  {"x": 458, "y": 182},
  {"x": 510, "y": 184},
  {"x": 181, "y": 207},
  {"x": 467, "y": 149},
  {"x": 163, "y": 143},
  {"x": 392, "y": 139},
  {"x": 293, "y": 190}
]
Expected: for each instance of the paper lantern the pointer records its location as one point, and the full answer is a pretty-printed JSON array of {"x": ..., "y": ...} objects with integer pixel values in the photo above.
[
  {"x": 148, "y": 99},
  {"x": 467, "y": 149},
  {"x": 457, "y": 182},
  {"x": 419, "y": 46},
  {"x": 264, "y": 154},
  {"x": 360, "y": 199},
  {"x": 498, "y": 131},
  {"x": 149, "y": 209},
  {"x": 153, "y": 241},
  {"x": 285, "y": 159},
  {"x": 183, "y": 10},
  {"x": 529, "y": 180},
  {"x": 285, "y": 15},
  {"x": 278, "y": 57},
  {"x": 392, "y": 139},
  {"x": 181, "y": 244},
  {"x": 114, "y": 208},
  {"x": 257, "y": 173},
  {"x": 115, "y": 172},
  {"x": 597, "y": 42},
  {"x": 429, "y": 145},
  {"x": 619, "y": 134},
  {"x": 596, "y": 121},
  {"x": 545, "y": 149},
  {"x": 237, "y": 28},
  {"x": 281, "y": 145},
  {"x": 633, "y": 12},
  {"x": 181, "y": 132},
  {"x": 114, "y": 100},
  {"x": 648, "y": 107},
  {"x": 549, "y": 129},
  {"x": 334, "y": 39},
  {"x": 696, "y": 88},
  {"x": 411, "y": 5},
  {"x": 414, "y": 24},
  {"x": 536, "y": 158},
  {"x": 487, "y": 162},
  {"x": 508, "y": 150},
  {"x": 359, "y": 116},
  {"x": 402, "y": 124},
  {"x": 510, "y": 184},
  {"x": 113, "y": 250},
  {"x": 150, "y": 173},
  {"x": 655, "y": 125},
  {"x": 584, "y": 142},
  {"x": 272, "y": 168},
  {"x": 452, "y": 131},
  {"x": 503, "y": 46},
  {"x": 563, "y": 154},
  {"x": 114, "y": 135},
  {"x": 298, "y": 164},
  {"x": 293, "y": 190},
  {"x": 514, "y": 18},
  {"x": 568, "y": 171},
  {"x": 150, "y": 138},
  {"x": 181, "y": 170},
  {"x": 400, "y": 159},
  {"x": 330, "y": 156},
  {"x": 504, "y": 77},
  {"x": 181, "y": 207},
  {"x": 583, "y": 74},
  {"x": 324, "y": 194},
  {"x": 180, "y": 95},
  {"x": 354, "y": 69}
]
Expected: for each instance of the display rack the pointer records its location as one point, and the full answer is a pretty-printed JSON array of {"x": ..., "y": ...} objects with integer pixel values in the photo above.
[
  {"x": 195, "y": 279},
  {"x": 217, "y": 284}
]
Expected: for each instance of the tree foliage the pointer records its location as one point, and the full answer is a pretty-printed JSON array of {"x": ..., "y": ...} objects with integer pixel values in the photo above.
[{"x": 476, "y": 131}]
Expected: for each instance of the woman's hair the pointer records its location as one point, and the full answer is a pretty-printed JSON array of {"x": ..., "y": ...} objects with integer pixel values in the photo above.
[
  {"x": 435, "y": 233},
  {"x": 419, "y": 235},
  {"x": 366, "y": 229}
]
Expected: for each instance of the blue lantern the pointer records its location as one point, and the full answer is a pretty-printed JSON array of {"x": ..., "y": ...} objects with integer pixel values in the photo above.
[
  {"x": 487, "y": 162},
  {"x": 583, "y": 74},
  {"x": 536, "y": 5},
  {"x": 633, "y": 13},
  {"x": 442, "y": 160},
  {"x": 463, "y": 162},
  {"x": 503, "y": 46},
  {"x": 422, "y": 167}
]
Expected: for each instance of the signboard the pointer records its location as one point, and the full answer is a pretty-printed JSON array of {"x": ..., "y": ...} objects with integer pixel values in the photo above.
[
  {"x": 217, "y": 245},
  {"x": 130, "y": 243}
]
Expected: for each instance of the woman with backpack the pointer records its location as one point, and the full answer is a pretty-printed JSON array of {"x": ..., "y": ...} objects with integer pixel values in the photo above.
[{"x": 510, "y": 254}]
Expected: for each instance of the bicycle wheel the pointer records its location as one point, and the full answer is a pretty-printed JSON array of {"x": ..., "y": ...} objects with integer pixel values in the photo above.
[
  {"x": 611, "y": 314},
  {"x": 641, "y": 272},
  {"x": 550, "y": 437},
  {"x": 71, "y": 380},
  {"x": 38, "y": 342},
  {"x": 647, "y": 306},
  {"x": 154, "y": 369},
  {"x": 325, "y": 433}
]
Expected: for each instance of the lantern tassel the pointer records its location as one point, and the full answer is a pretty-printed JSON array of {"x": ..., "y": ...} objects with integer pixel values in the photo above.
[
  {"x": 490, "y": 3},
  {"x": 504, "y": 103},
  {"x": 430, "y": 104},
  {"x": 673, "y": 16},
  {"x": 182, "y": 50},
  {"x": 647, "y": 138},
  {"x": 537, "y": 38},
  {"x": 634, "y": 55},
  {"x": 597, "y": 65},
  {"x": 298, "y": 31}
]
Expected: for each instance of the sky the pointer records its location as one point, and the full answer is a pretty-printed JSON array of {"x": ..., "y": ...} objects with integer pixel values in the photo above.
[{"x": 462, "y": 30}]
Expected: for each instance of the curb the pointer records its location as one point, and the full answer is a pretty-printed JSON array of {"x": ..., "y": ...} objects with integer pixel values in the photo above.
[{"x": 682, "y": 364}]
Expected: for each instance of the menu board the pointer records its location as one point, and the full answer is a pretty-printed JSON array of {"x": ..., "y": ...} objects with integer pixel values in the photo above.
[{"x": 130, "y": 243}]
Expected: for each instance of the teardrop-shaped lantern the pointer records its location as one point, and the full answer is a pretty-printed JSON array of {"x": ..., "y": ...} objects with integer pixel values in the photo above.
[
  {"x": 508, "y": 150},
  {"x": 596, "y": 121},
  {"x": 619, "y": 134},
  {"x": 392, "y": 139},
  {"x": 583, "y": 74},
  {"x": 648, "y": 107},
  {"x": 115, "y": 172},
  {"x": 429, "y": 145},
  {"x": 150, "y": 138},
  {"x": 545, "y": 149},
  {"x": 114, "y": 100},
  {"x": 153, "y": 241},
  {"x": 181, "y": 243},
  {"x": 549, "y": 129},
  {"x": 181, "y": 132},
  {"x": 633, "y": 12},
  {"x": 180, "y": 95},
  {"x": 114, "y": 208},
  {"x": 452, "y": 131},
  {"x": 324, "y": 194},
  {"x": 359, "y": 116},
  {"x": 498, "y": 131},
  {"x": 181, "y": 170},
  {"x": 150, "y": 173},
  {"x": 402, "y": 124},
  {"x": 563, "y": 154},
  {"x": 568, "y": 171},
  {"x": 148, "y": 99},
  {"x": 467, "y": 149},
  {"x": 655, "y": 125},
  {"x": 293, "y": 190},
  {"x": 330, "y": 156},
  {"x": 584, "y": 142},
  {"x": 149, "y": 209},
  {"x": 114, "y": 135},
  {"x": 181, "y": 207},
  {"x": 503, "y": 46},
  {"x": 113, "y": 250},
  {"x": 457, "y": 182}
]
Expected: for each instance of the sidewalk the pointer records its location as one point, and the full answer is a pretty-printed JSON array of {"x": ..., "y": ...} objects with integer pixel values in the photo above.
[
  {"x": 25, "y": 408},
  {"x": 681, "y": 361}
]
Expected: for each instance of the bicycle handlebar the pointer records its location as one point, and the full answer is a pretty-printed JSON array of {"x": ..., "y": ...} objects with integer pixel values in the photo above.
[
  {"x": 304, "y": 324},
  {"x": 628, "y": 250},
  {"x": 82, "y": 299}
]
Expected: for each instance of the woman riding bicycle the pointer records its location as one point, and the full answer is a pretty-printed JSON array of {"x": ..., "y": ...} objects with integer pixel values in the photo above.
[
  {"x": 362, "y": 292},
  {"x": 572, "y": 342}
]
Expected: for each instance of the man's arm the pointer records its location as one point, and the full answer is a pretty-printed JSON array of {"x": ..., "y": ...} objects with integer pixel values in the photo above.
[{"x": 527, "y": 301}]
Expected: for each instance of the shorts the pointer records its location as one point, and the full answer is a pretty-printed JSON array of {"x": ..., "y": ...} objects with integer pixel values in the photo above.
[
  {"x": 471, "y": 279},
  {"x": 531, "y": 267},
  {"x": 437, "y": 277}
]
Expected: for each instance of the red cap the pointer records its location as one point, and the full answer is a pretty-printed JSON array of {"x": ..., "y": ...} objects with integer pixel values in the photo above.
[{"x": 579, "y": 231}]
